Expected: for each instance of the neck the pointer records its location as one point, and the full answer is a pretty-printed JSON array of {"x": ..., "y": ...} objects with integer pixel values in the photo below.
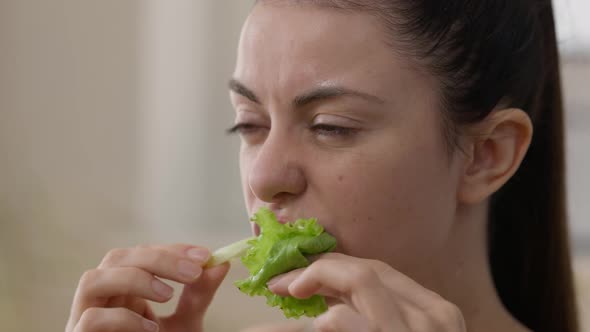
[{"x": 463, "y": 276}]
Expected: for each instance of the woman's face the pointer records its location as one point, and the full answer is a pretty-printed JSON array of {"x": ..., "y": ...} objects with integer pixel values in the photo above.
[{"x": 334, "y": 125}]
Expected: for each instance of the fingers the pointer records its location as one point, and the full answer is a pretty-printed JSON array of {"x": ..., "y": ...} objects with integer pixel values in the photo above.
[
  {"x": 114, "y": 319},
  {"x": 351, "y": 281},
  {"x": 370, "y": 292},
  {"x": 196, "y": 252},
  {"x": 359, "y": 286},
  {"x": 196, "y": 297},
  {"x": 395, "y": 281},
  {"x": 181, "y": 263},
  {"x": 97, "y": 286},
  {"x": 327, "y": 274},
  {"x": 279, "y": 284},
  {"x": 398, "y": 283},
  {"x": 342, "y": 318},
  {"x": 123, "y": 281},
  {"x": 126, "y": 277}
]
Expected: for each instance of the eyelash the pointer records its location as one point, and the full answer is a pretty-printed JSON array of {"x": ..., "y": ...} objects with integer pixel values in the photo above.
[
  {"x": 322, "y": 129},
  {"x": 330, "y": 130},
  {"x": 242, "y": 128}
]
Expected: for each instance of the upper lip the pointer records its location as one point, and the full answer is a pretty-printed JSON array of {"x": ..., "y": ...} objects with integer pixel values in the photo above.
[
  {"x": 279, "y": 212},
  {"x": 281, "y": 217},
  {"x": 284, "y": 219}
]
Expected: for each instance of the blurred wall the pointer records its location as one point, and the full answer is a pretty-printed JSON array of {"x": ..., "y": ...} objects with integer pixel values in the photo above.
[
  {"x": 112, "y": 118},
  {"x": 576, "y": 77},
  {"x": 68, "y": 148},
  {"x": 187, "y": 57}
]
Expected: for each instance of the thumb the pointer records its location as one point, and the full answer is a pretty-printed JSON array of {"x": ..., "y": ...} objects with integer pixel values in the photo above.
[{"x": 196, "y": 297}]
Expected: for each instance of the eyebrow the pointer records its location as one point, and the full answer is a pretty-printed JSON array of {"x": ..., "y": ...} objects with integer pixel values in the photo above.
[
  {"x": 314, "y": 95},
  {"x": 241, "y": 89}
]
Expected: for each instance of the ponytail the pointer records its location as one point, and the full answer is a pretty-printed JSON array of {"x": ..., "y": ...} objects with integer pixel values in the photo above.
[{"x": 528, "y": 237}]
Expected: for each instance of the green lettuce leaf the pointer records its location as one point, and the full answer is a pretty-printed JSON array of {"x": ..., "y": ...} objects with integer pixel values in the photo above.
[{"x": 281, "y": 248}]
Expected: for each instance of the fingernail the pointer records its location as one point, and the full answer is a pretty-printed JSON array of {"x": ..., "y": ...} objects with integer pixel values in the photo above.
[
  {"x": 189, "y": 269},
  {"x": 150, "y": 326},
  {"x": 199, "y": 254},
  {"x": 162, "y": 289},
  {"x": 274, "y": 280}
]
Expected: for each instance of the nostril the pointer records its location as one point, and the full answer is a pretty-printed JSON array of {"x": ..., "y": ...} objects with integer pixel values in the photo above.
[{"x": 280, "y": 199}]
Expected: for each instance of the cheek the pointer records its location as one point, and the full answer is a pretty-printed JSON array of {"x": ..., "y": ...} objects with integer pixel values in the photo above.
[{"x": 392, "y": 202}]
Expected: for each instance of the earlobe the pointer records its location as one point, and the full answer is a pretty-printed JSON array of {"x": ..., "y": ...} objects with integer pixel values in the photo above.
[{"x": 495, "y": 149}]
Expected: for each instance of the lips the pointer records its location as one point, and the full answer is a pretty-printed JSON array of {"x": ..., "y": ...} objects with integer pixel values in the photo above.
[
  {"x": 255, "y": 228},
  {"x": 282, "y": 218}
]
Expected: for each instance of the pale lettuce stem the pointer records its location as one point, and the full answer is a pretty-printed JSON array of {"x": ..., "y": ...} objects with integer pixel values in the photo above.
[{"x": 229, "y": 252}]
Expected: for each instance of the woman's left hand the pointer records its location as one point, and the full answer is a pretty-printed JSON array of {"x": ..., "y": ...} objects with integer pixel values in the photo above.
[{"x": 369, "y": 295}]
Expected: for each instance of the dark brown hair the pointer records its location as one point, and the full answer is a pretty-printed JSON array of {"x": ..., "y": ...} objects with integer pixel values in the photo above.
[{"x": 484, "y": 54}]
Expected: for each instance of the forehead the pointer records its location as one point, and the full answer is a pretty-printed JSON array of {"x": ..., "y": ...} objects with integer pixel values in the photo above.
[{"x": 294, "y": 45}]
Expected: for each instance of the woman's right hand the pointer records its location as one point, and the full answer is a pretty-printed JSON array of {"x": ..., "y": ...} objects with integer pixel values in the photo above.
[{"x": 113, "y": 297}]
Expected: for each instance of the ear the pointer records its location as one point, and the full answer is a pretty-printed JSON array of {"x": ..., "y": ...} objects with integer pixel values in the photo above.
[{"x": 495, "y": 147}]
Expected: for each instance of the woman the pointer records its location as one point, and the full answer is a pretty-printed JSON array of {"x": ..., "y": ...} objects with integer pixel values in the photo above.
[{"x": 406, "y": 128}]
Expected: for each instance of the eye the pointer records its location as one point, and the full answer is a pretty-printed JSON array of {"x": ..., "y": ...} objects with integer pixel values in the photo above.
[
  {"x": 250, "y": 133},
  {"x": 330, "y": 130},
  {"x": 244, "y": 129}
]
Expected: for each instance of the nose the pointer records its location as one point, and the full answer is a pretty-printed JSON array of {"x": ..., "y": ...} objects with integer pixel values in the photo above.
[{"x": 276, "y": 174}]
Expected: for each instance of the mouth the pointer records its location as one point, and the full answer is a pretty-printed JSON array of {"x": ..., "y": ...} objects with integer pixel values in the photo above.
[
  {"x": 255, "y": 228},
  {"x": 281, "y": 218}
]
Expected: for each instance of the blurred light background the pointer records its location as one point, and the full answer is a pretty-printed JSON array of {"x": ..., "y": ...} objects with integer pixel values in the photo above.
[{"x": 112, "y": 118}]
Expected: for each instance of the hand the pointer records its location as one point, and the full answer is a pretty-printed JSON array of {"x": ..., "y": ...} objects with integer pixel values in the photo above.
[
  {"x": 113, "y": 297},
  {"x": 368, "y": 295}
]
